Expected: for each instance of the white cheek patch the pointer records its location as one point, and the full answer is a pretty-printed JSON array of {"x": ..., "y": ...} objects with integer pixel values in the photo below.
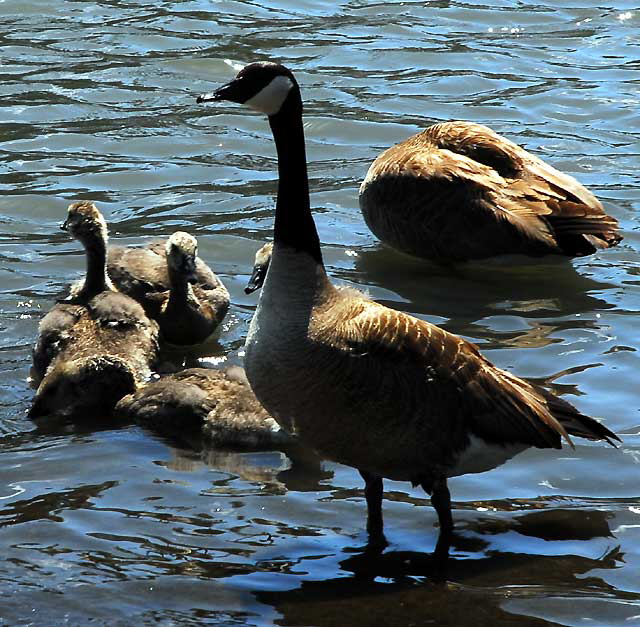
[{"x": 269, "y": 99}]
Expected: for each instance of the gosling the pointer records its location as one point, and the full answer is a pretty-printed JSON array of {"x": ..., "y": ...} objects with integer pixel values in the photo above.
[{"x": 99, "y": 345}]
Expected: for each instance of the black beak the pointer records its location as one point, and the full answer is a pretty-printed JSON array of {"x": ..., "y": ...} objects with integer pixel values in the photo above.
[
  {"x": 256, "y": 280},
  {"x": 232, "y": 91},
  {"x": 64, "y": 226}
]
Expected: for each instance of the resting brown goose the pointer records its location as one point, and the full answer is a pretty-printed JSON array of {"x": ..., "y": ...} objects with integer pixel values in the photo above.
[
  {"x": 217, "y": 403},
  {"x": 365, "y": 385},
  {"x": 174, "y": 286},
  {"x": 458, "y": 191},
  {"x": 97, "y": 347}
]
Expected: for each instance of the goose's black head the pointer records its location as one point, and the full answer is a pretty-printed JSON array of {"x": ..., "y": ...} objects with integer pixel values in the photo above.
[{"x": 264, "y": 87}]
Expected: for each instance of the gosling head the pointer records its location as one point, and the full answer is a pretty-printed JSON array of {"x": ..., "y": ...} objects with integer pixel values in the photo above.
[
  {"x": 264, "y": 87},
  {"x": 85, "y": 223},
  {"x": 182, "y": 252},
  {"x": 260, "y": 267},
  {"x": 87, "y": 384}
]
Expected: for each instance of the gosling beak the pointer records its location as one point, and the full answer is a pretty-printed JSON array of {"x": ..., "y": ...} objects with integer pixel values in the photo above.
[
  {"x": 256, "y": 280},
  {"x": 64, "y": 226}
]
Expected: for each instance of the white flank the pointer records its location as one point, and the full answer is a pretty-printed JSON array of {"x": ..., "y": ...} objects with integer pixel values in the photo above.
[
  {"x": 269, "y": 99},
  {"x": 480, "y": 456}
]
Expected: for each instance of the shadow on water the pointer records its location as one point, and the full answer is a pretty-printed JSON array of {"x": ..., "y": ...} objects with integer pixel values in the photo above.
[{"x": 398, "y": 588}]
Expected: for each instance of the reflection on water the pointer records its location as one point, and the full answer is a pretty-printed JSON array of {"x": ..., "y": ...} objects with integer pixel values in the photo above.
[
  {"x": 277, "y": 472},
  {"x": 48, "y": 506},
  {"x": 103, "y": 523},
  {"x": 550, "y": 288}
]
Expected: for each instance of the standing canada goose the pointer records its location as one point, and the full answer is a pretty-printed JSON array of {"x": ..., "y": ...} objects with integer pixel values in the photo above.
[
  {"x": 260, "y": 267},
  {"x": 97, "y": 347},
  {"x": 174, "y": 286},
  {"x": 217, "y": 403},
  {"x": 365, "y": 385},
  {"x": 458, "y": 191}
]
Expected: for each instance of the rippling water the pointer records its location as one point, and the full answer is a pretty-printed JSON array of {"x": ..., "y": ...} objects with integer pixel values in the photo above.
[{"x": 107, "y": 525}]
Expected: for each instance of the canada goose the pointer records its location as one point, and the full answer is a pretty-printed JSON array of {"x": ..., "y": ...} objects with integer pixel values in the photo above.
[
  {"x": 95, "y": 348},
  {"x": 458, "y": 191},
  {"x": 218, "y": 403},
  {"x": 174, "y": 286},
  {"x": 365, "y": 385},
  {"x": 260, "y": 267}
]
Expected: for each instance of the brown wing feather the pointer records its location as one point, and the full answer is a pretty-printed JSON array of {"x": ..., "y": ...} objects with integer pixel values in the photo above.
[
  {"x": 530, "y": 183},
  {"x": 498, "y": 406}
]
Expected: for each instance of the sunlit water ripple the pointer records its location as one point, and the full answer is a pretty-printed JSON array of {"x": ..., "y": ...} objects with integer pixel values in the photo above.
[{"x": 107, "y": 525}]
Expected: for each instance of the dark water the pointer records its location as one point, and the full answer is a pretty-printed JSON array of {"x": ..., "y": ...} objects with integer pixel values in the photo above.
[{"x": 111, "y": 526}]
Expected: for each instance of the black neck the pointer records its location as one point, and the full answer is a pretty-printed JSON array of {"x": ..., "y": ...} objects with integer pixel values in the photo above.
[
  {"x": 96, "y": 280},
  {"x": 294, "y": 226}
]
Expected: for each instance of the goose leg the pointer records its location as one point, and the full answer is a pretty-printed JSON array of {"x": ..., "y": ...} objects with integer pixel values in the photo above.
[
  {"x": 441, "y": 501},
  {"x": 373, "y": 495}
]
